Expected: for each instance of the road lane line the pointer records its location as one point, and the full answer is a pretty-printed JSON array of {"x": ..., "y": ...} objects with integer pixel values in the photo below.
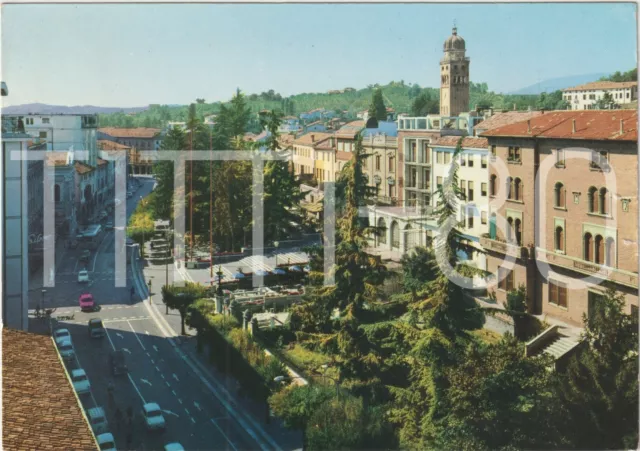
[
  {"x": 136, "y": 334},
  {"x": 180, "y": 400},
  {"x": 158, "y": 370},
  {"x": 187, "y": 410},
  {"x": 224, "y": 435},
  {"x": 176, "y": 377},
  {"x": 168, "y": 384},
  {"x": 136, "y": 387},
  {"x": 174, "y": 392},
  {"x": 192, "y": 420}
]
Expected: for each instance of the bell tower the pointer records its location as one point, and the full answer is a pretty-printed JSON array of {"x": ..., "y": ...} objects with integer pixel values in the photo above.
[{"x": 454, "y": 77}]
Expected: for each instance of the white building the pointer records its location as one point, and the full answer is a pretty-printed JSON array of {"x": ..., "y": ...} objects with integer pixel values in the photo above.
[{"x": 584, "y": 97}]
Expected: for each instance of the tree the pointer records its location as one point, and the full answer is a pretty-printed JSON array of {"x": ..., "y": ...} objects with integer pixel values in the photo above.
[
  {"x": 424, "y": 104},
  {"x": 200, "y": 101},
  {"x": 377, "y": 108},
  {"x": 630, "y": 75},
  {"x": 418, "y": 269},
  {"x": 496, "y": 398},
  {"x": 282, "y": 193},
  {"x": 599, "y": 391},
  {"x": 181, "y": 298}
]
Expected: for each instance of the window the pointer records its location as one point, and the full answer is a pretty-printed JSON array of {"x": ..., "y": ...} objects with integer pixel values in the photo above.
[
  {"x": 382, "y": 231},
  {"x": 493, "y": 151},
  {"x": 470, "y": 161},
  {"x": 560, "y": 195},
  {"x": 470, "y": 221},
  {"x": 392, "y": 164},
  {"x": 593, "y": 200},
  {"x": 56, "y": 193},
  {"x": 559, "y": 239},
  {"x": 439, "y": 181},
  {"x": 45, "y": 120},
  {"x": 560, "y": 158},
  {"x": 483, "y": 161},
  {"x": 378, "y": 162},
  {"x": 517, "y": 189},
  {"x": 483, "y": 217},
  {"x": 493, "y": 182},
  {"x": 518, "y": 231},
  {"x": 463, "y": 186},
  {"x": 509, "y": 186},
  {"x": 610, "y": 252},
  {"x": 599, "y": 250},
  {"x": 557, "y": 293},
  {"x": 43, "y": 135},
  {"x": 470, "y": 191},
  {"x": 587, "y": 251},
  {"x": 463, "y": 214},
  {"x": 599, "y": 160},
  {"x": 483, "y": 189},
  {"x": 514, "y": 154},
  {"x": 505, "y": 277},
  {"x": 439, "y": 157},
  {"x": 463, "y": 160},
  {"x": 603, "y": 201},
  {"x": 509, "y": 230},
  {"x": 447, "y": 157}
]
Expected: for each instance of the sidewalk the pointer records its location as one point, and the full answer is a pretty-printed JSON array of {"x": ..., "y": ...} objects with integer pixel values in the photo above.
[{"x": 285, "y": 438}]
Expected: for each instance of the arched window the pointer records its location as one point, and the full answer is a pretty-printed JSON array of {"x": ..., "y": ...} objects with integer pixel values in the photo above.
[
  {"x": 560, "y": 195},
  {"x": 593, "y": 200},
  {"x": 603, "y": 201},
  {"x": 395, "y": 235},
  {"x": 517, "y": 189},
  {"x": 382, "y": 231},
  {"x": 599, "y": 250},
  {"x": 588, "y": 247},
  {"x": 518, "y": 231},
  {"x": 610, "y": 253},
  {"x": 509, "y": 186},
  {"x": 409, "y": 238},
  {"x": 492, "y": 184},
  {"x": 509, "y": 229},
  {"x": 56, "y": 193},
  {"x": 559, "y": 239}
]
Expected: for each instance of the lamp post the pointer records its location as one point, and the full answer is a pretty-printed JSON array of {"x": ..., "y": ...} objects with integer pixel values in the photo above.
[
  {"x": 42, "y": 302},
  {"x": 276, "y": 244}
]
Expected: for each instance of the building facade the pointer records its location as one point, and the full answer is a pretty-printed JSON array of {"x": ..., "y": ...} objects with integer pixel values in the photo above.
[
  {"x": 138, "y": 140},
  {"x": 563, "y": 204},
  {"x": 585, "y": 97}
]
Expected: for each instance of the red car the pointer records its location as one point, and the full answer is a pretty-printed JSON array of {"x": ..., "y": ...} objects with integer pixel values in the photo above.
[{"x": 87, "y": 304}]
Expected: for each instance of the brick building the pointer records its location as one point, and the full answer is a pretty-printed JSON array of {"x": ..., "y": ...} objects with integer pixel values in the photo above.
[{"x": 563, "y": 203}]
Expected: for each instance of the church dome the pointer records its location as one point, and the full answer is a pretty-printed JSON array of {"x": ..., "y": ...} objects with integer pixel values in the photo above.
[{"x": 454, "y": 42}]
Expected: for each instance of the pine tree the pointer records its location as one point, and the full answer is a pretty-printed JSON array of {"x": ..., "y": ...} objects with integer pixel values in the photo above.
[{"x": 377, "y": 108}]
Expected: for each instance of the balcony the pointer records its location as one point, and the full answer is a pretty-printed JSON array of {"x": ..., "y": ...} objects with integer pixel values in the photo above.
[
  {"x": 12, "y": 124},
  {"x": 504, "y": 247},
  {"x": 620, "y": 276}
]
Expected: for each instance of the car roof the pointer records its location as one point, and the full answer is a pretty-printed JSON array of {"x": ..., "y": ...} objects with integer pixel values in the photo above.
[
  {"x": 86, "y": 295},
  {"x": 78, "y": 372},
  {"x": 62, "y": 329},
  {"x": 175, "y": 446},
  {"x": 95, "y": 412},
  {"x": 151, "y": 406},
  {"x": 106, "y": 437},
  {"x": 65, "y": 341},
  {"x": 95, "y": 320}
]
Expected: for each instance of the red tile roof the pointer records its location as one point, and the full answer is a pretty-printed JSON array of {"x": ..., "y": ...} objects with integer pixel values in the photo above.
[
  {"x": 83, "y": 168},
  {"x": 40, "y": 408},
  {"x": 468, "y": 142},
  {"x": 56, "y": 158},
  {"x": 305, "y": 140},
  {"x": 603, "y": 85},
  {"x": 101, "y": 162},
  {"x": 140, "y": 132},
  {"x": 506, "y": 118},
  {"x": 590, "y": 125},
  {"x": 105, "y": 144},
  {"x": 350, "y": 130}
]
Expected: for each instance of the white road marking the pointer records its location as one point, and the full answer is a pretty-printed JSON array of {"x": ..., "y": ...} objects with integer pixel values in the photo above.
[
  {"x": 138, "y": 338},
  {"x": 195, "y": 403},
  {"x": 176, "y": 377},
  {"x": 180, "y": 400},
  {"x": 187, "y": 410},
  {"x": 126, "y": 350},
  {"x": 146, "y": 332},
  {"x": 152, "y": 362},
  {"x": 136, "y": 387},
  {"x": 174, "y": 392},
  {"x": 224, "y": 435},
  {"x": 171, "y": 413},
  {"x": 192, "y": 420},
  {"x": 148, "y": 355},
  {"x": 146, "y": 382},
  {"x": 155, "y": 347},
  {"x": 168, "y": 384},
  {"x": 119, "y": 334}
]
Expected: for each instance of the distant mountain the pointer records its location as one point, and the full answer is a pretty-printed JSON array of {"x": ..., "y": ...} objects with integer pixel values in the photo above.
[
  {"x": 555, "y": 84},
  {"x": 42, "y": 108}
]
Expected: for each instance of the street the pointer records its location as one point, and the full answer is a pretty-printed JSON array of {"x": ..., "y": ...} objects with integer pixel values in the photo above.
[{"x": 159, "y": 372}]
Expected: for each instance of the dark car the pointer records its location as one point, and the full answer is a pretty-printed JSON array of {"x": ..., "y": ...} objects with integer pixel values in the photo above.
[
  {"x": 117, "y": 362},
  {"x": 96, "y": 329}
]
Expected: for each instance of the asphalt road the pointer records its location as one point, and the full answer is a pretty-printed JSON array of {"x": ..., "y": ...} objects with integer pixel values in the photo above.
[{"x": 158, "y": 372}]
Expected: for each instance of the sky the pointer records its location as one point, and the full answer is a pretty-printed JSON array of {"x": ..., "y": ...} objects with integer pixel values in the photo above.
[{"x": 134, "y": 55}]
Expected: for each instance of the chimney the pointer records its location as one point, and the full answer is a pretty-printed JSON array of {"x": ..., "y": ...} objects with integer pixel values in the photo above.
[
  {"x": 573, "y": 128},
  {"x": 528, "y": 125},
  {"x": 313, "y": 138},
  {"x": 621, "y": 127}
]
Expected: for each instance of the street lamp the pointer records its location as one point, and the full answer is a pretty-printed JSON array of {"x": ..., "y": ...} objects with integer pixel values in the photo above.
[
  {"x": 43, "y": 293},
  {"x": 276, "y": 244}
]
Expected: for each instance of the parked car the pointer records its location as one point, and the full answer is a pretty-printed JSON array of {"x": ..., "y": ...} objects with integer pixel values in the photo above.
[
  {"x": 175, "y": 446},
  {"x": 96, "y": 329},
  {"x": 87, "y": 303},
  {"x": 66, "y": 349},
  {"x": 85, "y": 256},
  {"x": 117, "y": 362},
  {"x": 109, "y": 225},
  {"x": 153, "y": 417},
  {"x": 61, "y": 334},
  {"x": 83, "y": 276},
  {"x": 80, "y": 381},
  {"x": 106, "y": 442},
  {"x": 98, "y": 420}
]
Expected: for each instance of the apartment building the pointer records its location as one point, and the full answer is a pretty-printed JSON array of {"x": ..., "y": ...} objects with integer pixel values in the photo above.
[
  {"x": 584, "y": 97},
  {"x": 312, "y": 157},
  {"x": 500, "y": 119},
  {"x": 564, "y": 205}
]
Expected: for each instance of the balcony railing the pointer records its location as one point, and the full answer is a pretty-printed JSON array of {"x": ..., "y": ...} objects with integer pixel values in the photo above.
[
  {"x": 12, "y": 124},
  {"x": 503, "y": 247}
]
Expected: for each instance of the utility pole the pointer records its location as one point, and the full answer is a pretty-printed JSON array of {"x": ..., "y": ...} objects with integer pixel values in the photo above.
[
  {"x": 191, "y": 191},
  {"x": 210, "y": 207}
]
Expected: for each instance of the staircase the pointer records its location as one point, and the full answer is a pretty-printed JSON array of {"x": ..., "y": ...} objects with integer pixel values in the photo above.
[{"x": 557, "y": 341}]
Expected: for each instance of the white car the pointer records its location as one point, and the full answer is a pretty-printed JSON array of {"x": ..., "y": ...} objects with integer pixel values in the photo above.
[
  {"x": 80, "y": 381},
  {"x": 98, "y": 420},
  {"x": 60, "y": 334},
  {"x": 175, "y": 446},
  {"x": 83, "y": 276},
  {"x": 153, "y": 417},
  {"x": 106, "y": 442},
  {"x": 66, "y": 349}
]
